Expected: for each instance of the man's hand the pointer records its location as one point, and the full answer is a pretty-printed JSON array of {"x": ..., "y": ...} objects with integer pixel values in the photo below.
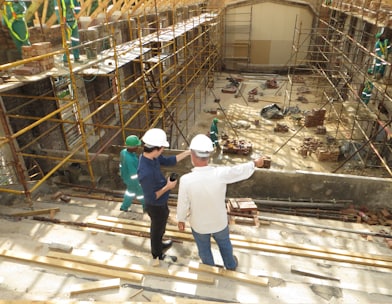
[
  {"x": 171, "y": 184},
  {"x": 181, "y": 226},
  {"x": 259, "y": 162}
]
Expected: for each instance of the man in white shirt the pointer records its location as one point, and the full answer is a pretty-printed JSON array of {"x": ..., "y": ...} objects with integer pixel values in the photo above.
[{"x": 201, "y": 196}]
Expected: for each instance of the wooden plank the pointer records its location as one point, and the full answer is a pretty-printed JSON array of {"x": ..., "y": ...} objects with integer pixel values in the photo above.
[
  {"x": 116, "y": 7},
  {"x": 36, "y": 212},
  {"x": 101, "y": 8},
  {"x": 156, "y": 298},
  {"x": 229, "y": 274},
  {"x": 312, "y": 273},
  {"x": 44, "y": 12},
  {"x": 247, "y": 205},
  {"x": 94, "y": 286},
  {"x": 127, "y": 275},
  {"x": 233, "y": 203},
  {"x": 280, "y": 247},
  {"x": 136, "y": 268},
  {"x": 313, "y": 254}
]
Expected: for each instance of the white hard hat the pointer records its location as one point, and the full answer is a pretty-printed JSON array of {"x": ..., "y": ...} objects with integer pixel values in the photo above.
[
  {"x": 155, "y": 138},
  {"x": 201, "y": 144}
]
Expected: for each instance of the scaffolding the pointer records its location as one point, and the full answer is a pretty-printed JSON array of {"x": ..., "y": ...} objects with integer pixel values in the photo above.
[
  {"x": 149, "y": 69},
  {"x": 336, "y": 67}
]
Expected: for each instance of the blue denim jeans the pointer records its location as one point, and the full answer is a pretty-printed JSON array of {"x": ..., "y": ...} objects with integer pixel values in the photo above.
[{"x": 222, "y": 239}]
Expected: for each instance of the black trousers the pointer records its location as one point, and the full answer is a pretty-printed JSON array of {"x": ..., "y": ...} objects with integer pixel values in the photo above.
[{"x": 158, "y": 216}]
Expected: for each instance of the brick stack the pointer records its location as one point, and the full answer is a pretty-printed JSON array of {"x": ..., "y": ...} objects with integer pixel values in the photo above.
[
  {"x": 309, "y": 146},
  {"x": 37, "y": 66},
  {"x": 281, "y": 128},
  {"x": 242, "y": 211},
  {"x": 5, "y": 38},
  {"x": 321, "y": 130},
  {"x": 315, "y": 118},
  {"x": 328, "y": 154}
]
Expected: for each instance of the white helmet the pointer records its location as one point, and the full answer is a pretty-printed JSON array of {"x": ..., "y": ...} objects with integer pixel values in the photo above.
[
  {"x": 155, "y": 138},
  {"x": 201, "y": 144}
]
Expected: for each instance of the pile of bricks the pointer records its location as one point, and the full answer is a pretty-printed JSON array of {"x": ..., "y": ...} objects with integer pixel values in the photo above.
[
  {"x": 321, "y": 130},
  {"x": 36, "y": 66},
  {"x": 281, "y": 128},
  {"x": 309, "y": 146},
  {"x": 328, "y": 153},
  {"x": 242, "y": 211},
  {"x": 234, "y": 146},
  {"x": 315, "y": 118}
]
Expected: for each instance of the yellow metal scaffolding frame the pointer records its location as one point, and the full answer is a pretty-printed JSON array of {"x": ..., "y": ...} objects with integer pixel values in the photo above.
[
  {"x": 336, "y": 64},
  {"x": 86, "y": 110}
]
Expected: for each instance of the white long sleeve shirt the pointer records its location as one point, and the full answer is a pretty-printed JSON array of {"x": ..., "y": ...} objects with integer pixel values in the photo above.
[{"x": 202, "y": 192}]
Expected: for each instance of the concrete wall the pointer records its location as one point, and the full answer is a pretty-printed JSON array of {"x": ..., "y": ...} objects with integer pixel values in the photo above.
[
  {"x": 270, "y": 183},
  {"x": 263, "y": 33},
  {"x": 264, "y": 183},
  {"x": 368, "y": 191}
]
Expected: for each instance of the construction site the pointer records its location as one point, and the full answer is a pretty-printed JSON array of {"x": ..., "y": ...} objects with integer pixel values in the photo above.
[{"x": 301, "y": 83}]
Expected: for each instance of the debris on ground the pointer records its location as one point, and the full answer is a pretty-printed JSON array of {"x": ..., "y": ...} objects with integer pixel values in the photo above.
[
  {"x": 271, "y": 84},
  {"x": 211, "y": 111},
  {"x": 309, "y": 146},
  {"x": 232, "y": 86},
  {"x": 291, "y": 110},
  {"x": 315, "y": 118},
  {"x": 281, "y": 127},
  {"x": 302, "y": 99},
  {"x": 303, "y": 90},
  {"x": 272, "y": 111},
  {"x": 237, "y": 146},
  {"x": 241, "y": 124},
  {"x": 321, "y": 130}
]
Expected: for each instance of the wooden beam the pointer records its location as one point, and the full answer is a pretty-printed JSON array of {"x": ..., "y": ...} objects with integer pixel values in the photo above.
[
  {"x": 94, "y": 286},
  {"x": 44, "y": 12},
  {"x": 34, "y": 6},
  {"x": 239, "y": 276},
  {"x": 85, "y": 9},
  {"x": 26, "y": 257},
  {"x": 247, "y": 239},
  {"x": 136, "y": 268},
  {"x": 52, "y": 20},
  {"x": 303, "y": 250},
  {"x": 116, "y": 7},
  {"x": 36, "y": 212},
  {"x": 101, "y": 8}
]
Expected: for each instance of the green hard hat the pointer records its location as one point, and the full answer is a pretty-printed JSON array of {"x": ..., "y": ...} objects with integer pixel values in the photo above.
[
  {"x": 133, "y": 141},
  {"x": 378, "y": 35},
  {"x": 215, "y": 120}
]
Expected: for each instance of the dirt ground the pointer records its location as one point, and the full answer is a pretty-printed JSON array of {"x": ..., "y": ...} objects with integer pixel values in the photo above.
[{"x": 241, "y": 119}]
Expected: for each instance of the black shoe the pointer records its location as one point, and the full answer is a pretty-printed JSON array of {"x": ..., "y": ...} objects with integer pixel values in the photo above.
[
  {"x": 172, "y": 258},
  {"x": 124, "y": 210},
  {"x": 166, "y": 245},
  {"x": 236, "y": 263}
]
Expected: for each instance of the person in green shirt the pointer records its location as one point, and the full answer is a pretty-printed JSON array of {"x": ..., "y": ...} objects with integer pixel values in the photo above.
[
  {"x": 129, "y": 162},
  {"x": 69, "y": 10},
  {"x": 214, "y": 133},
  {"x": 14, "y": 18}
]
